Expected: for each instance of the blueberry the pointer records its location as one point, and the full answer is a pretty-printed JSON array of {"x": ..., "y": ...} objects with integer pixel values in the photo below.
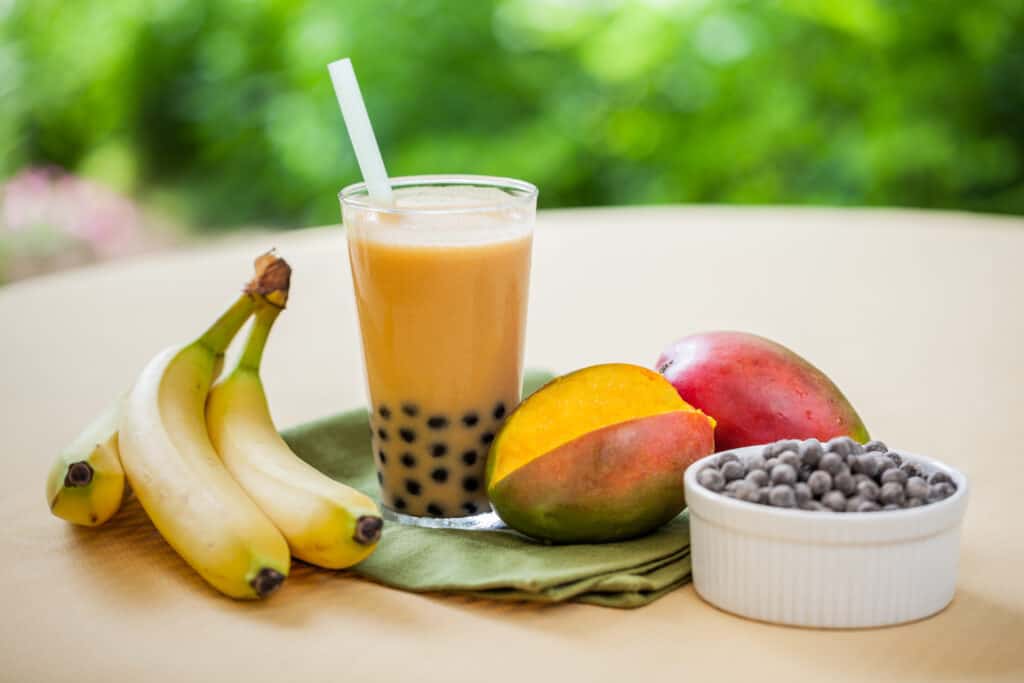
[
  {"x": 870, "y": 506},
  {"x": 382, "y": 434},
  {"x": 811, "y": 451},
  {"x": 814, "y": 506},
  {"x": 410, "y": 409},
  {"x": 783, "y": 474},
  {"x": 805, "y": 472},
  {"x": 734, "y": 485},
  {"x": 413, "y": 487},
  {"x": 891, "y": 493},
  {"x": 755, "y": 462},
  {"x": 856, "y": 447},
  {"x": 758, "y": 478},
  {"x": 711, "y": 478},
  {"x": 875, "y": 445},
  {"x": 911, "y": 469},
  {"x": 791, "y": 458},
  {"x": 913, "y": 502},
  {"x": 894, "y": 474},
  {"x": 868, "y": 490},
  {"x": 435, "y": 510},
  {"x": 884, "y": 465},
  {"x": 831, "y": 463},
  {"x": 764, "y": 495},
  {"x": 843, "y": 482},
  {"x": 782, "y": 496},
  {"x": 438, "y": 450},
  {"x": 469, "y": 457},
  {"x": 853, "y": 503},
  {"x": 770, "y": 463},
  {"x": 820, "y": 482},
  {"x": 471, "y": 484},
  {"x": 916, "y": 487},
  {"x": 398, "y": 503},
  {"x": 437, "y": 422},
  {"x": 384, "y": 411},
  {"x": 726, "y": 457},
  {"x": 939, "y": 478},
  {"x": 840, "y": 445},
  {"x": 895, "y": 458},
  {"x": 802, "y": 492},
  {"x": 732, "y": 470},
  {"x": 786, "y": 445},
  {"x": 499, "y": 411},
  {"x": 890, "y": 506},
  {"x": 408, "y": 459},
  {"x": 867, "y": 464},
  {"x": 470, "y": 507},
  {"x": 486, "y": 438},
  {"x": 440, "y": 475},
  {"x": 382, "y": 456},
  {"x": 745, "y": 490},
  {"x": 835, "y": 501},
  {"x": 940, "y": 491},
  {"x": 470, "y": 419}
]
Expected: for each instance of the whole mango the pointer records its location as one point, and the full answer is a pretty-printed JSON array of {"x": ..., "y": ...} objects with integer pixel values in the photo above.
[
  {"x": 596, "y": 455},
  {"x": 757, "y": 390}
]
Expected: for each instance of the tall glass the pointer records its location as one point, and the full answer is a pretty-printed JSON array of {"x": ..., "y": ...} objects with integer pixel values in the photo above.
[{"x": 441, "y": 280}]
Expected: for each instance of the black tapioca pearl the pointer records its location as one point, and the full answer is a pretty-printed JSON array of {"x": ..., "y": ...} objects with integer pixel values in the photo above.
[
  {"x": 407, "y": 434},
  {"x": 435, "y": 510},
  {"x": 486, "y": 438},
  {"x": 499, "y": 411},
  {"x": 439, "y": 450},
  {"x": 384, "y": 411},
  {"x": 399, "y": 503},
  {"x": 380, "y": 477},
  {"x": 413, "y": 487},
  {"x": 382, "y": 456},
  {"x": 437, "y": 422},
  {"x": 470, "y": 507},
  {"x": 471, "y": 484},
  {"x": 469, "y": 457},
  {"x": 410, "y": 409},
  {"x": 440, "y": 475},
  {"x": 408, "y": 459},
  {"x": 382, "y": 434},
  {"x": 470, "y": 419}
]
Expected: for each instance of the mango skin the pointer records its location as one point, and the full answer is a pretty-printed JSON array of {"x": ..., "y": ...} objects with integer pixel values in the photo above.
[
  {"x": 757, "y": 390},
  {"x": 615, "y": 483}
]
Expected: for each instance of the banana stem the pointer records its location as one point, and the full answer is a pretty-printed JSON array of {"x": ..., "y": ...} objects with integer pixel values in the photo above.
[
  {"x": 252, "y": 355},
  {"x": 220, "y": 334}
]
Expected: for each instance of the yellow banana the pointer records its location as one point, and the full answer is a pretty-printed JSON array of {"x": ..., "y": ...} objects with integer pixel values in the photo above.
[
  {"x": 176, "y": 474},
  {"x": 325, "y": 522},
  {"x": 86, "y": 483}
]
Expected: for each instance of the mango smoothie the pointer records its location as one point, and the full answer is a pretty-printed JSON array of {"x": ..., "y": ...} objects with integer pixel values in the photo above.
[{"x": 441, "y": 282}]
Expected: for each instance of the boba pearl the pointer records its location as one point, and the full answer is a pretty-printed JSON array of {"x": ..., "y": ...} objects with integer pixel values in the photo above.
[
  {"x": 410, "y": 409},
  {"x": 469, "y": 457},
  {"x": 408, "y": 459},
  {"x": 732, "y": 469},
  {"x": 470, "y": 507},
  {"x": 916, "y": 487},
  {"x": 811, "y": 451},
  {"x": 437, "y": 422},
  {"x": 438, "y": 450},
  {"x": 435, "y": 510},
  {"x": 895, "y": 474},
  {"x": 834, "y": 500},
  {"x": 710, "y": 478},
  {"x": 782, "y": 496},
  {"x": 758, "y": 478},
  {"x": 891, "y": 493},
  {"x": 471, "y": 484},
  {"x": 440, "y": 475},
  {"x": 869, "y": 506},
  {"x": 783, "y": 474},
  {"x": 499, "y": 411},
  {"x": 726, "y": 457},
  {"x": 831, "y": 463},
  {"x": 791, "y": 458},
  {"x": 802, "y": 492},
  {"x": 407, "y": 435},
  {"x": 413, "y": 487},
  {"x": 820, "y": 482},
  {"x": 939, "y": 478},
  {"x": 470, "y": 419},
  {"x": 876, "y": 445},
  {"x": 868, "y": 490},
  {"x": 486, "y": 438},
  {"x": 844, "y": 483}
]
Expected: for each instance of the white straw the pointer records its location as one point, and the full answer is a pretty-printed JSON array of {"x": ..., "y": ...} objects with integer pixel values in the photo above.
[{"x": 353, "y": 109}]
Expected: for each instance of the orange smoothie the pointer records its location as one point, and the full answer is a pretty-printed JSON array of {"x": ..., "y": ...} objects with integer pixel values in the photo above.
[{"x": 442, "y": 311}]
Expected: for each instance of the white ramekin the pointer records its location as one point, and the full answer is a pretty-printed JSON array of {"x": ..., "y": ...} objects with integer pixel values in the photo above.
[{"x": 825, "y": 569}]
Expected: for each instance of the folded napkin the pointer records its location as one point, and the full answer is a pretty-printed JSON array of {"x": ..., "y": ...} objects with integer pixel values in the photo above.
[{"x": 497, "y": 564}]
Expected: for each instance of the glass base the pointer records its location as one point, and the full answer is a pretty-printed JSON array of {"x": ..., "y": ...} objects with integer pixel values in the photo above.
[{"x": 485, "y": 521}]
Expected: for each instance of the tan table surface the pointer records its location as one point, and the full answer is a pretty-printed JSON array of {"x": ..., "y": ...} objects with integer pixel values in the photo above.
[{"x": 918, "y": 316}]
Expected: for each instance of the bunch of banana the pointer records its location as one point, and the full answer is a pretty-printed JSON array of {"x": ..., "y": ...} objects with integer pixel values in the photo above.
[{"x": 229, "y": 531}]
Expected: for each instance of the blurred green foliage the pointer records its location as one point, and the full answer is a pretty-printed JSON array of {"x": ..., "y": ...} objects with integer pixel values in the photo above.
[{"x": 221, "y": 111}]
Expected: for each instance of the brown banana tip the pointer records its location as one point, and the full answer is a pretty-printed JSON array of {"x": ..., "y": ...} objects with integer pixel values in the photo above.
[
  {"x": 79, "y": 474},
  {"x": 266, "y": 581},
  {"x": 272, "y": 279},
  {"x": 368, "y": 528}
]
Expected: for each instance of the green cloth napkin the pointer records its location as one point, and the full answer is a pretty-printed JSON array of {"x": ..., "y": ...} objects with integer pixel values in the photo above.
[{"x": 497, "y": 564}]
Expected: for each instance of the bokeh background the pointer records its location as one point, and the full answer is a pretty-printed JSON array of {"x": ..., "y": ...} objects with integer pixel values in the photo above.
[{"x": 130, "y": 125}]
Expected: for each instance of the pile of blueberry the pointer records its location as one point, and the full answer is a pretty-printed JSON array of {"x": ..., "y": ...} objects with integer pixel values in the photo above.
[{"x": 838, "y": 476}]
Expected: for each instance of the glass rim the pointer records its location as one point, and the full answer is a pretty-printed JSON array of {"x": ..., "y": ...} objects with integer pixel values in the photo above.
[{"x": 518, "y": 193}]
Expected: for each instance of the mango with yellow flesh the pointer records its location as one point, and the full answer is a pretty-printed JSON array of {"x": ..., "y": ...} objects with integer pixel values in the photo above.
[{"x": 597, "y": 455}]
